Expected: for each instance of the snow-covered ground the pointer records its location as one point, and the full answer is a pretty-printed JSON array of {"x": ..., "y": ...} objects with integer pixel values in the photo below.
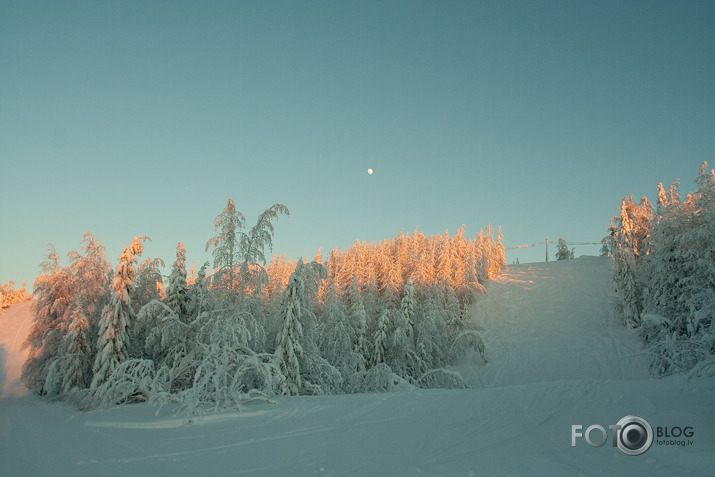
[{"x": 558, "y": 358}]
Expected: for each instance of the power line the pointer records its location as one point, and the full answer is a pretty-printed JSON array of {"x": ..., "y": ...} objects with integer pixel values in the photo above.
[
  {"x": 546, "y": 244},
  {"x": 543, "y": 243}
]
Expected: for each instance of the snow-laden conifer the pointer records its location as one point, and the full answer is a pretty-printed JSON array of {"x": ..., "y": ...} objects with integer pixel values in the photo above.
[
  {"x": 432, "y": 335},
  {"x": 408, "y": 308},
  {"x": 198, "y": 298},
  {"x": 358, "y": 318},
  {"x": 237, "y": 251},
  {"x": 148, "y": 283},
  {"x": 379, "y": 339},
  {"x": 297, "y": 352},
  {"x": 562, "y": 250},
  {"x": 176, "y": 288},
  {"x": 336, "y": 341},
  {"x": 225, "y": 244},
  {"x": 401, "y": 355},
  {"x": 288, "y": 341},
  {"x": 112, "y": 345},
  {"x": 630, "y": 243},
  {"x": 53, "y": 296},
  {"x": 76, "y": 365},
  {"x": 253, "y": 247},
  {"x": 67, "y": 309}
]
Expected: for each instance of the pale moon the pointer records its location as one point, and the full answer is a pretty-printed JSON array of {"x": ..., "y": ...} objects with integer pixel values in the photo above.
[{"x": 369, "y": 171}]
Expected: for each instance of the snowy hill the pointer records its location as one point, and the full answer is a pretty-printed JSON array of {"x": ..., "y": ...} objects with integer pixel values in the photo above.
[
  {"x": 15, "y": 324},
  {"x": 547, "y": 322},
  {"x": 557, "y": 355}
]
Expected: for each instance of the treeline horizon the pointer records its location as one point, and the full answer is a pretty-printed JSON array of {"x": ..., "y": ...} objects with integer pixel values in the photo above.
[{"x": 458, "y": 261}]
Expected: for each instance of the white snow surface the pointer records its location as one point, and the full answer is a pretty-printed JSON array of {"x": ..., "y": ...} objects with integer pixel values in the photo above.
[{"x": 557, "y": 357}]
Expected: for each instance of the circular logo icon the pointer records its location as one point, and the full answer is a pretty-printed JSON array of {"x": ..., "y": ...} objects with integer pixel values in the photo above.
[{"x": 634, "y": 435}]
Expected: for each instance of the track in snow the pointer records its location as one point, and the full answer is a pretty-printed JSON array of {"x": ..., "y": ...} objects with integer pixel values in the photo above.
[{"x": 553, "y": 321}]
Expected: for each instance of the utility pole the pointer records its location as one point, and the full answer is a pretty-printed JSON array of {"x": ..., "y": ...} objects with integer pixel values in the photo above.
[{"x": 547, "y": 248}]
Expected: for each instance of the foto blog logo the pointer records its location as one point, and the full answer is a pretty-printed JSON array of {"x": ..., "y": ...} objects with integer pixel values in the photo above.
[{"x": 633, "y": 435}]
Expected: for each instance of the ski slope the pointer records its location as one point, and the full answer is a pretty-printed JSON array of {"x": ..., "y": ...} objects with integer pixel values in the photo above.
[
  {"x": 547, "y": 322},
  {"x": 557, "y": 357},
  {"x": 15, "y": 324}
]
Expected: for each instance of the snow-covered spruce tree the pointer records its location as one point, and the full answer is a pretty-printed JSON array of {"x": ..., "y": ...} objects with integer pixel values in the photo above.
[
  {"x": 471, "y": 289},
  {"x": 494, "y": 252},
  {"x": 408, "y": 308},
  {"x": 69, "y": 301},
  {"x": 112, "y": 345},
  {"x": 297, "y": 353},
  {"x": 157, "y": 327},
  {"x": 562, "y": 250},
  {"x": 198, "y": 298},
  {"x": 92, "y": 272},
  {"x": 445, "y": 261},
  {"x": 371, "y": 301},
  {"x": 605, "y": 247},
  {"x": 170, "y": 339},
  {"x": 225, "y": 243},
  {"x": 177, "y": 288},
  {"x": 401, "y": 355},
  {"x": 235, "y": 249},
  {"x": 699, "y": 244},
  {"x": 357, "y": 317},
  {"x": 431, "y": 336},
  {"x": 72, "y": 369},
  {"x": 379, "y": 338},
  {"x": 453, "y": 310},
  {"x": 288, "y": 341},
  {"x": 630, "y": 242},
  {"x": 148, "y": 283},
  {"x": 481, "y": 253},
  {"x": 457, "y": 326},
  {"x": 666, "y": 267},
  {"x": 253, "y": 248},
  {"x": 336, "y": 341},
  {"x": 53, "y": 294}
]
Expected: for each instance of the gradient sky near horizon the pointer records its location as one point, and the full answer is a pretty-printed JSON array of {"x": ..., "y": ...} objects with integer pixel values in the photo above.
[{"x": 130, "y": 117}]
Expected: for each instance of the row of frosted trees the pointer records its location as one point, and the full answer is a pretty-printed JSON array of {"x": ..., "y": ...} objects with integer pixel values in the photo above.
[
  {"x": 664, "y": 274},
  {"x": 453, "y": 262},
  {"x": 10, "y": 296},
  {"x": 373, "y": 318}
]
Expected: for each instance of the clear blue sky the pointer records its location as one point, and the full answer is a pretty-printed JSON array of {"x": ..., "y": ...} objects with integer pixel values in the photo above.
[{"x": 126, "y": 118}]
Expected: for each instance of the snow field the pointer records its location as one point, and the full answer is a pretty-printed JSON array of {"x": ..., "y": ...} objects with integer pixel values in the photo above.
[{"x": 557, "y": 357}]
